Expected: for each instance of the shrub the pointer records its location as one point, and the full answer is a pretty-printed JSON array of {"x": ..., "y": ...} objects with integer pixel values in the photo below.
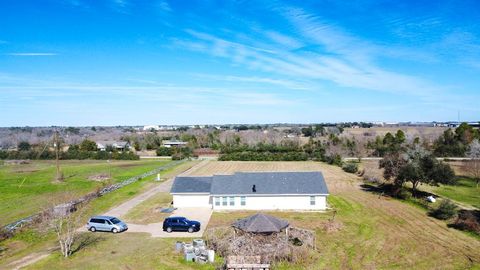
[
  {"x": 24, "y": 146},
  {"x": 334, "y": 159},
  {"x": 445, "y": 210},
  {"x": 468, "y": 220},
  {"x": 3, "y": 154},
  {"x": 350, "y": 167},
  {"x": 164, "y": 151},
  {"x": 402, "y": 193},
  {"x": 4, "y": 234},
  {"x": 88, "y": 145}
]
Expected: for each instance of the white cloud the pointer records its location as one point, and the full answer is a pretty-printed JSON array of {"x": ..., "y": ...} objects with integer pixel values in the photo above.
[
  {"x": 163, "y": 5},
  {"x": 287, "y": 41},
  {"x": 341, "y": 58},
  {"x": 32, "y": 54},
  {"x": 290, "y": 84},
  {"x": 121, "y": 6}
]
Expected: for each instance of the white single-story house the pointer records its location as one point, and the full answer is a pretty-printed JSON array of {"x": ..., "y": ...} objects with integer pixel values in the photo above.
[
  {"x": 252, "y": 191},
  {"x": 174, "y": 143},
  {"x": 118, "y": 145}
]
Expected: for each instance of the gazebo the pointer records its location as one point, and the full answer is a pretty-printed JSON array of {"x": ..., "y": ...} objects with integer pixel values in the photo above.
[{"x": 261, "y": 223}]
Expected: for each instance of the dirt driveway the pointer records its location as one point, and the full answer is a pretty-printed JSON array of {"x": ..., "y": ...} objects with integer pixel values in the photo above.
[{"x": 201, "y": 214}]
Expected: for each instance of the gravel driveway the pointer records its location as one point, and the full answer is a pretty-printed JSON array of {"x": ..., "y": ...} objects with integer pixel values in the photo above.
[{"x": 201, "y": 214}]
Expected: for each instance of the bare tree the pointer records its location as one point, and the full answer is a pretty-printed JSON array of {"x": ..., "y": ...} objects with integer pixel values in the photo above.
[
  {"x": 472, "y": 166},
  {"x": 64, "y": 219}
]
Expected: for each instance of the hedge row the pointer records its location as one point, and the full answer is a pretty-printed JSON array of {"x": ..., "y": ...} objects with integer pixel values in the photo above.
[{"x": 101, "y": 155}]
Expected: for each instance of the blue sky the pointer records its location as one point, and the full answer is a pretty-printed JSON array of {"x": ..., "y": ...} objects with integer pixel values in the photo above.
[{"x": 125, "y": 62}]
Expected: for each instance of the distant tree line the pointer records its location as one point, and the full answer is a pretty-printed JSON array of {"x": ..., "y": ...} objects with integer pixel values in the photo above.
[
  {"x": 86, "y": 150},
  {"x": 452, "y": 143},
  {"x": 285, "y": 151},
  {"x": 455, "y": 143}
]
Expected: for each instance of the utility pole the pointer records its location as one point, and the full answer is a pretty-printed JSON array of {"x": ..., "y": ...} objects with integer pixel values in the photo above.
[{"x": 56, "y": 146}]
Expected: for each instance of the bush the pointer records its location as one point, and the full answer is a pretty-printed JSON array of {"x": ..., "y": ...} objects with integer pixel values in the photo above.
[
  {"x": 468, "y": 220},
  {"x": 24, "y": 146},
  {"x": 334, "y": 159},
  {"x": 3, "y": 154},
  {"x": 88, "y": 145},
  {"x": 164, "y": 151},
  {"x": 402, "y": 193},
  {"x": 445, "y": 210},
  {"x": 350, "y": 167}
]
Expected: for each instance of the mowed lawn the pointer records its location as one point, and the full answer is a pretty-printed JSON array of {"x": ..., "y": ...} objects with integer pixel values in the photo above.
[
  {"x": 27, "y": 189},
  {"x": 465, "y": 192}
]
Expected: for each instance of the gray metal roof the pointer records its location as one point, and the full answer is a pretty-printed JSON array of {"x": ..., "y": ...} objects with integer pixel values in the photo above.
[
  {"x": 266, "y": 183},
  {"x": 188, "y": 184},
  {"x": 261, "y": 223},
  {"x": 269, "y": 183}
]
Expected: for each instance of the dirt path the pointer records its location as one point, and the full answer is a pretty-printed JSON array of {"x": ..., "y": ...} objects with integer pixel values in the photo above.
[
  {"x": 30, "y": 259},
  {"x": 123, "y": 208}
]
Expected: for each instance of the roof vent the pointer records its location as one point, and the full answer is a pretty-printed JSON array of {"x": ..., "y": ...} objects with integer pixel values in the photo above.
[{"x": 254, "y": 188}]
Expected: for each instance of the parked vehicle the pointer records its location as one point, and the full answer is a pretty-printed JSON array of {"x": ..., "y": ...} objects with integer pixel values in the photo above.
[
  {"x": 171, "y": 224},
  {"x": 107, "y": 224}
]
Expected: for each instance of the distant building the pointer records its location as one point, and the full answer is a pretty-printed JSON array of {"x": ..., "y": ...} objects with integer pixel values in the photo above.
[
  {"x": 118, "y": 145},
  {"x": 173, "y": 143},
  {"x": 151, "y": 127}
]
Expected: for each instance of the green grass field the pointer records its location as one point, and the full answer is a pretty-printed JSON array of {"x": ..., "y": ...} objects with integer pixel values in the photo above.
[
  {"x": 33, "y": 241},
  {"x": 465, "y": 192},
  {"x": 27, "y": 189}
]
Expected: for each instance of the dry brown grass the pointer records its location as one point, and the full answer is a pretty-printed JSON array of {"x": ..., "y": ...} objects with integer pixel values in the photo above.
[
  {"x": 378, "y": 232},
  {"x": 430, "y": 132}
]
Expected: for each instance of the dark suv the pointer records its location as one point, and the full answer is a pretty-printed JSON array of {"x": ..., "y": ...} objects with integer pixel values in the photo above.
[{"x": 171, "y": 224}]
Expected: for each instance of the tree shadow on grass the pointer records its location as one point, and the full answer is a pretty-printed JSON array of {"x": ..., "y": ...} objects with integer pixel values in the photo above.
[
  {"x": 85, "y": 240},
  {"x": 389, "y": 190}
]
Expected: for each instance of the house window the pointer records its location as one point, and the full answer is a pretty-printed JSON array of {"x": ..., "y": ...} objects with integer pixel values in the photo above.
[
  {"x": 232, "y": 201},
  {"x": 217, "y": 201},
  {"x": 243, "y": 200},
  {"x": 224, "y": 201},
  {"x": 312, "y": 200}
]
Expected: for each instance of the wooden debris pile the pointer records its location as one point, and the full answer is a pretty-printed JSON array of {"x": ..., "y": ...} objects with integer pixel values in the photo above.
[{"x": 271, "y": 248}]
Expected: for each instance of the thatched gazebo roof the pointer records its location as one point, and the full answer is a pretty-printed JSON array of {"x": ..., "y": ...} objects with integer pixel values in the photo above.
[{"x": 261, "y": 223}]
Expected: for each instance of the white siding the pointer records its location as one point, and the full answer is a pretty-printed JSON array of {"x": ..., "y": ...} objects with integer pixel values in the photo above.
[
  {"x": 193, "y": 200},
  {"x": 286, "y": 202}
]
